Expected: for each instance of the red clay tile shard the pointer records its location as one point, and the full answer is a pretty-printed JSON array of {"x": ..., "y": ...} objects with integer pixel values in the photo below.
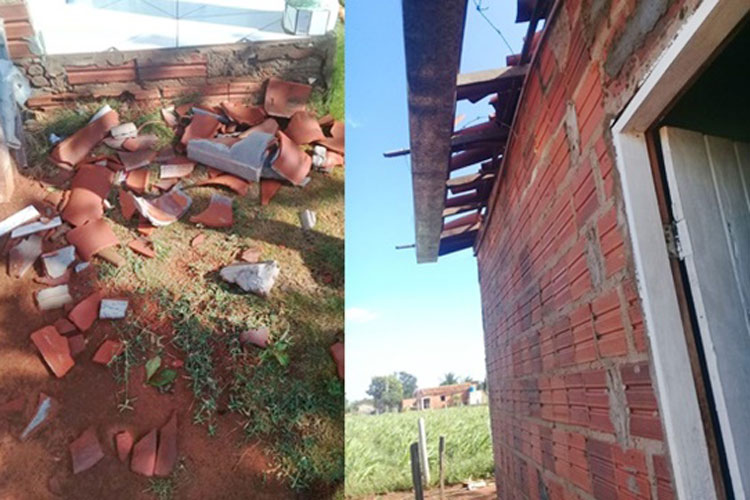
[
  {"x": 54, "y": 349},
  {"x": 22, "y": 256},
  {"x": 251, "y": 255},
  {"x": 337, "y": 352},
  {"x": 169, "y": 117},
  {"x": 53, "y": 298},
  {"x": 176, "y": 170},
  {"x": 292, "y": 163},
  {"x": 124, "y": 131},
  {"x": 336, "y": 142},
  {"x": 86, "y": 311},
  {"x": 77, "y": 344},
  {"x": 144, "y": 455},
  {"x": 165, "y": 209},
  {"x": 142, "y": 247},
  {"x": 64, "y": 326},
  {"x": 198, "y": 240},
  {"x": 86, "y": 451},
  {"x": 89, "y": 188},
  {"x": 75, "y": 148},
  {"x": 108, "y": 350},
  {"x": 137, "y": 180},
  {"x": 218, "y": 213},
  {"x": 268, "y": 189},
  {"x": 283, "y": 98},
  {"x": 165, "y": 185},
  {"x": 236, "y": 184},
  {"x": 303, "y": 128},
  {"x": 202, "y": 126},
  {"x": 256, "y": 336},
  {"x": 127, "y": 204},
  {"x": 166, "y": 454},
  {"x": 145, "y": 227},
  {"x": 136, "y": 159},
  {"x": 45, "y": 410},
  {"x": 144, "y": 142},
  {"x": 92, "y": 238},
  {"x": 267, "y": 126},
  {"x": 244, "y": 114},
  {"x": 124, "y": 442}
]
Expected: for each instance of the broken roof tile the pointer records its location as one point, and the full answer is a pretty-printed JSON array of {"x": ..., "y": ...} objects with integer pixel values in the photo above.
[
  {"x": 166, "y": 454},
  {"x": 77, "y": 344},
  {"x": 284, "y": 98},
  {"x": 268, "y": 189},
  {"x": 267, "y": 126},
  {"x": 86, "y": 451},
  {"x": 137, "y": 180},
  {"x": 145, "y": 142},
  {"x": 239, "y": 186},
  {"x": 53, "y": 298},
  {"x": 292, "y": 163},
  {"x": 251, "y": 254},
  {"x": 64, "y": 326},
  {"x": 142, "y": 247},
  {"x": 176, "y": 170},
  {"x": 202, "y": 126},
  {"x": 124, "y": 442},
  {"x": 217, "y": 214},
  {"x": 86, "y": 311},
  {"x": 89, "y": 188},
  {"x": 165, "y": 209},
  {"x": 113, "y": 308},
  {"x": 144, "y": 455},
  {"x": 22, "y": 256},
  {"x": 243, "y": 113},
  {"x": 303, "y": 128},
  {"x": 45, "y": 410},
  {"x": 124, "y": 131},
  {"x": 127, "y": 204},
  {"x": 72, "y": 150},
  {"x": 336, "y": 142},
  {"x": 165, "y": 185},
  {"x": 107, "y": 351},
  {"x": 337, "y": 352},
  {"x": 243, "y": 157},
  {"x": 145, "y": 227},
  {"x": 91, "y": 238},
  {"x": 57, "y": 263},
  {"x": 256, "y": 336},
  {"x": 36, "y": 227},
  {"x": 19, "y": 218},
  {"x": 169, "y": 117},
  {"x": 136, "y": 159},
  {"x": 54, "y": 349}
]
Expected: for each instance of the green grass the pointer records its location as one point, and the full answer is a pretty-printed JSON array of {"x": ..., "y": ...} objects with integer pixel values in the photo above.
[{"x": 377, "y": 448}]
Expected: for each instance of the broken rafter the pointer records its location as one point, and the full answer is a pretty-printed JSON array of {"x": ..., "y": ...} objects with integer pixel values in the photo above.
[
  {"x": 459, "y": 209},
  {"x": 479, "y": 84},
  {"x": 472, "y": 156},
  {"x": 469, "y": 182},
  {"x": 457, "y": 242}
]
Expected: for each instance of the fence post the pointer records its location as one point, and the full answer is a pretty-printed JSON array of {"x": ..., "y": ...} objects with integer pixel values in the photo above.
[
  {"x": 423, "y": 452},
  {"x": 441, "y": 465},
  {"x": 416, "y": 476}
]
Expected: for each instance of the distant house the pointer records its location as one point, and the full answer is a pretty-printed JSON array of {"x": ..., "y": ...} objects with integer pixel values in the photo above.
[
  {"x": 365, "y": 409},
  {"x": 444, "y": 396}
]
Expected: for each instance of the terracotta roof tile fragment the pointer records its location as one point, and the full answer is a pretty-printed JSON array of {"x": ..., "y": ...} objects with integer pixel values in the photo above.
[
  {"x": 86, "y": 311},
  {"x": 217, "y": 214},
  {"x": 124, "y": 443},
  {"x": 251, "y": 254},
  {"x": 165, "y": 209},
  {"x": 243, "y": 113},
  {"x": 91, "y": 238},
  {"x": 127, "y": 204},
  {"x": 136, "y": 159},
  {"x": 144, "y": 142},
  {"x": 89, "y": 188},
  {"x": 239, "y": 186},
  {"x": 54, "y": 349},
  {"x": 72, "y": 150},
  {"x": 337, "y": 352},
  {"x": 86, "y": 451},
  {"x": 303, "y": 128},
  {"x": 202, "y": 126},
  {"x": 256, "y": 336},
  {"x": 166, "y": 454},
  {"x": 142, "y": 247},
  {"x": 143, "y": 460},
  {"x": 268, "y": 189},
  {"x": 198, "y": 240},
  {"x": 336, "y": 141},
  {"x": 77, "y": 344},
  {"x": 107, "y": 351},
  {"x": 292, "y": 163},
  {"x": 137, "y": 180},
  {"x": 176, "y": 170},
  {"x": 22, "y": 256},
  {"x": 267, "y": 126},
  {"x": 284, "y": 98},
  {"x": 64, "y": 326}
]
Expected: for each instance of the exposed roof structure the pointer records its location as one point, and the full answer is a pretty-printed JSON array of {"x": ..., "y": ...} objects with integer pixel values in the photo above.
[
  {"x": 453, "y": 171},
  {"x": 444, "y": 390}
]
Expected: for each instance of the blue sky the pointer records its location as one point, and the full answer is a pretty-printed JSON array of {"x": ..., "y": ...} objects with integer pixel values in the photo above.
[{"x": 425, "y": 319}]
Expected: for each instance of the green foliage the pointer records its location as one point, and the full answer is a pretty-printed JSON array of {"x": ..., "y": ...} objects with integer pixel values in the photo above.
[
  {"x": 152, "y": 365},
  {"x": 377, "y": 448},
  {"x": 449, "y": 379},
  {"x": 387, "y": 392},
  {"x": 409, "y": 383}
]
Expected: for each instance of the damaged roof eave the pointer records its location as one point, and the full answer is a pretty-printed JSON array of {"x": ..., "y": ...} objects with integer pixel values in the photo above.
[{"x": 433, "y": 37}]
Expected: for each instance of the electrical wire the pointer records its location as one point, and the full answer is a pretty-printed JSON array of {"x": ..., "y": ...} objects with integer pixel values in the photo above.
[{"x": 480, "y": 9}]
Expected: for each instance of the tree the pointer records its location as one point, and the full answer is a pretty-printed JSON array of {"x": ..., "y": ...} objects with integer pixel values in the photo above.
[
  {"x": 409, "y": 383},
  {"x": 387, "y": 392},
  {"x": 449, "y": 379}
]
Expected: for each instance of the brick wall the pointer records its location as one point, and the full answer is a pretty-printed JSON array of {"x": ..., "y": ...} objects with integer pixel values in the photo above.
[{"x": 573, "y": 404}]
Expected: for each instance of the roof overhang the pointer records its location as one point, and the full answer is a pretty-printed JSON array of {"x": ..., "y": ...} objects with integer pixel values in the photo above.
[{"x": 433, "y": 37}]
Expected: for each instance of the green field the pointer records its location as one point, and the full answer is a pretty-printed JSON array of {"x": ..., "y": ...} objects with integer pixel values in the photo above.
[{"x": 377, "y": 448}]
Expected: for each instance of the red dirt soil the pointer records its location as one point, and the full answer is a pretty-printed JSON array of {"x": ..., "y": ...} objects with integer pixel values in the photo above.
[{"x": 40, "y": 468}]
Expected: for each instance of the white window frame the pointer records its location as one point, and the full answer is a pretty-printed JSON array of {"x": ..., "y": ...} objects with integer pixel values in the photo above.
[{"x": 700, "y": 36}]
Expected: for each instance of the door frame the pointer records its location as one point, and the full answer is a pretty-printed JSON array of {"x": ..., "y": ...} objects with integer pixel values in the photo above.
[{"x": 699, "y": 38}]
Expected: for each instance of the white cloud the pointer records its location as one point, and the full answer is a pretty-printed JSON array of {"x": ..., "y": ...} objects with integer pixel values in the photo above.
[
  {"x": 359, "y": 315},
  {"x": 353, "y": 123}
]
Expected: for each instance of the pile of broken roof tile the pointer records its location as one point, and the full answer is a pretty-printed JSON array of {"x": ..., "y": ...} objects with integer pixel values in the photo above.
[{"x": 275, "y": 144}]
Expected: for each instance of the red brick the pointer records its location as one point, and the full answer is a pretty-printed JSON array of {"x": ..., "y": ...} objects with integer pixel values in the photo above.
[
  {"x": 584, "y": 197},
  {"x": 664, "y": 490},
  {"x": 610, "y": 331},
  {"x": 101, "y": 74},
  {"x": 644, "y": 408}
]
